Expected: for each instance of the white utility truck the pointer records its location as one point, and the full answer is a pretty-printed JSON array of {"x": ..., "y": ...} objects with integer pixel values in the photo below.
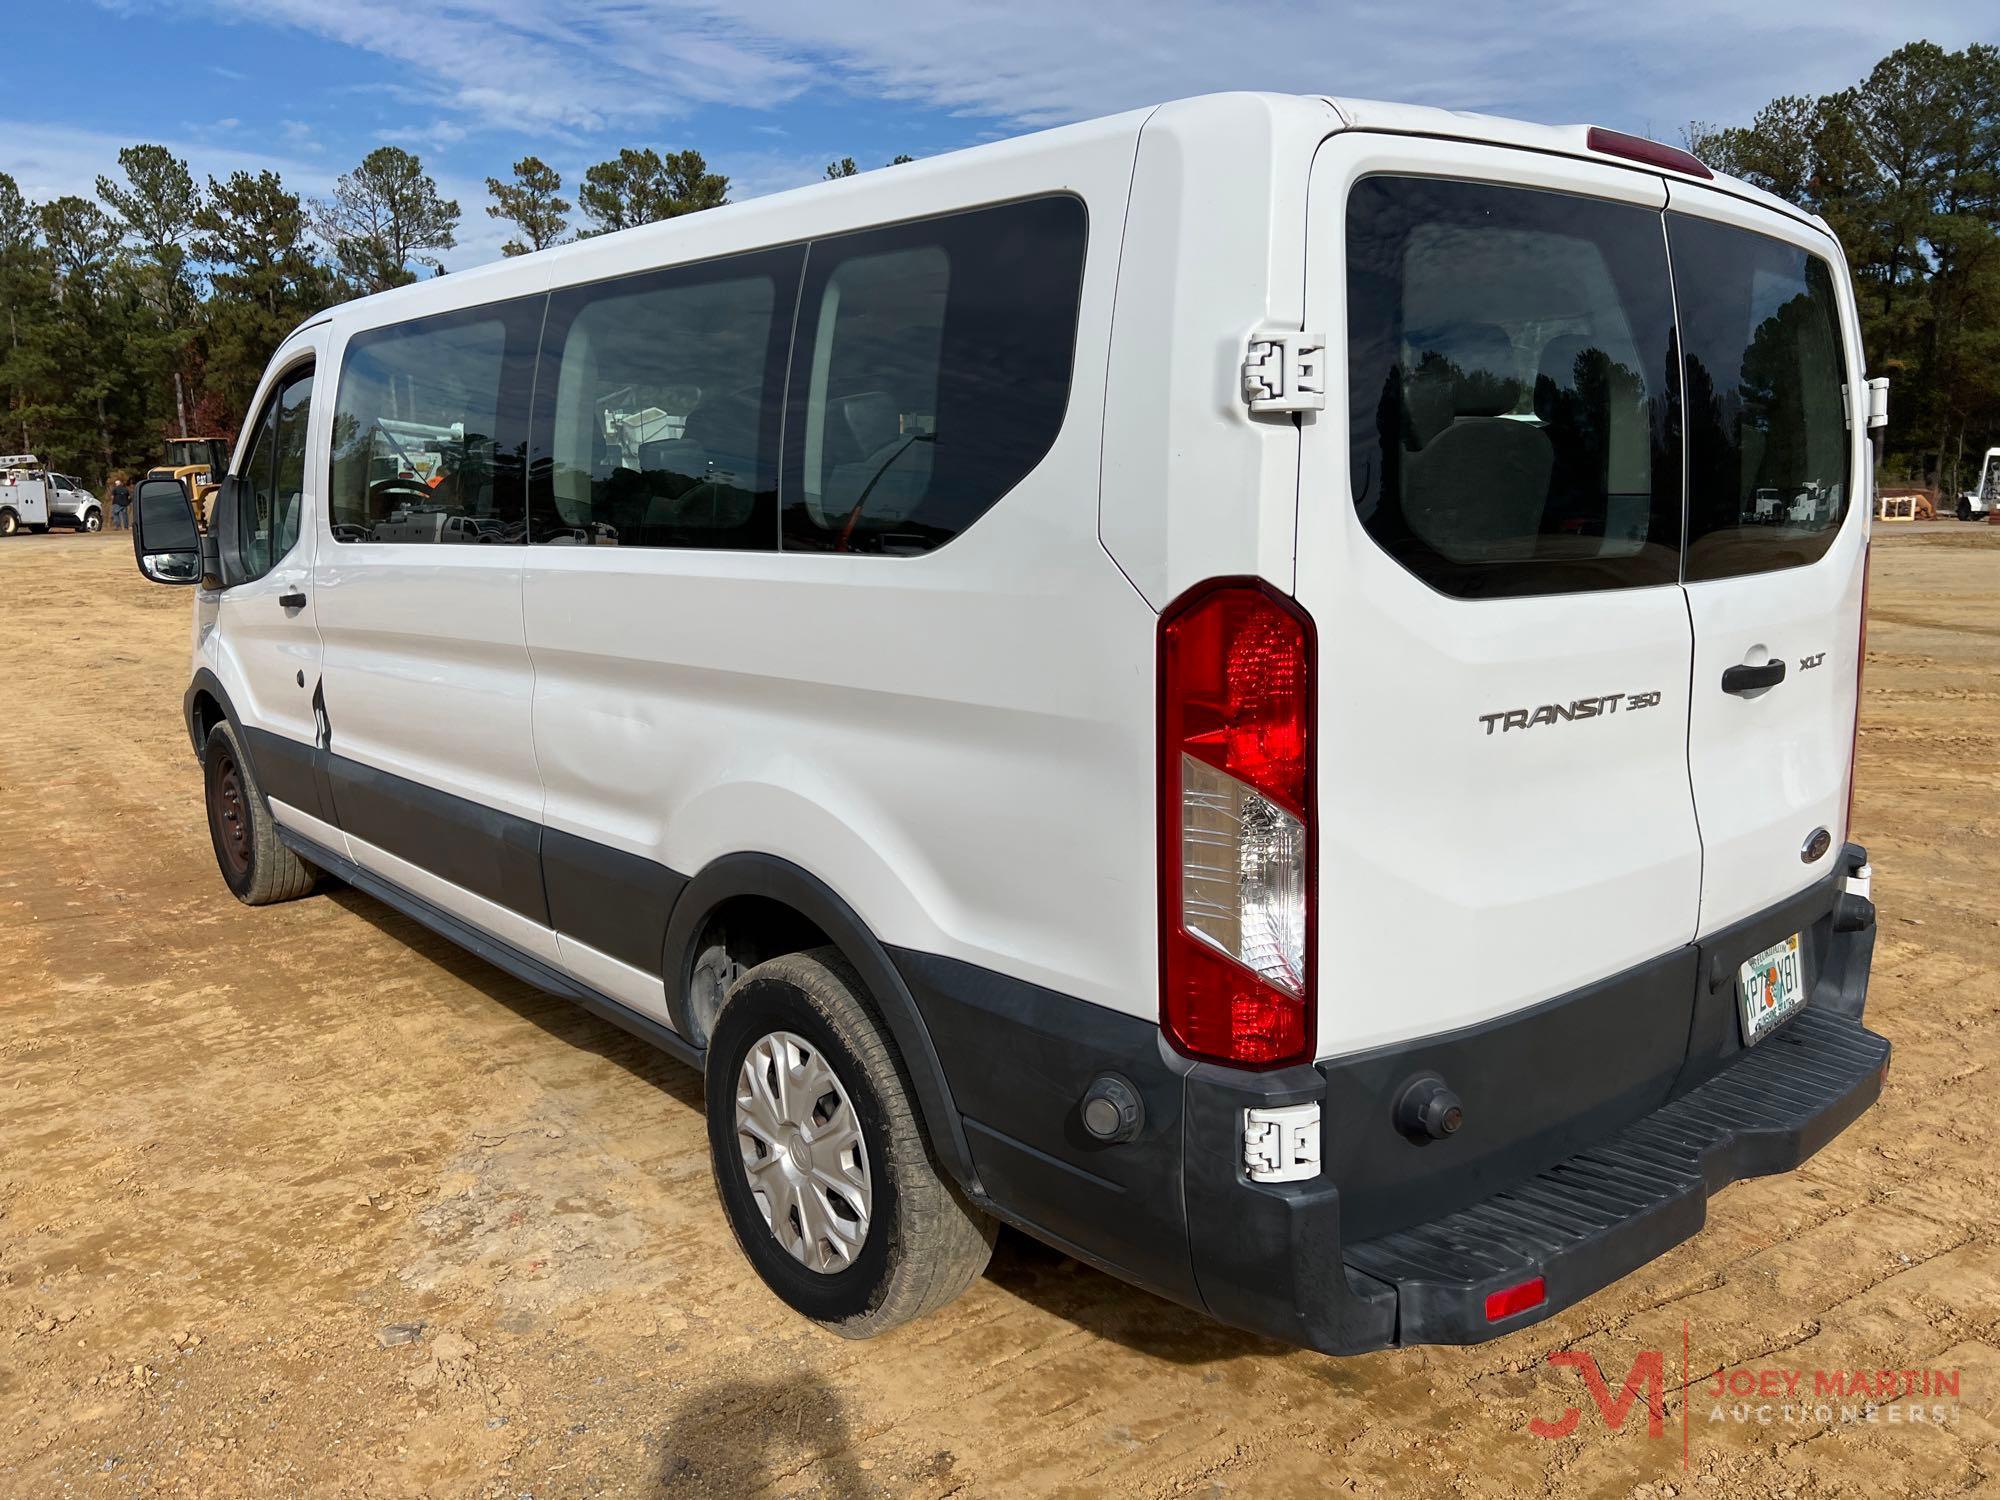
[{"x": 24, "y": 494}]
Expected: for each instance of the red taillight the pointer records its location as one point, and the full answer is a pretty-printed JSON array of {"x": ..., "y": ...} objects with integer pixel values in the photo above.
[
  {"x": 1236, "y": 825},
  {"x": 1652, "y": 153},
  {"x": 1515, "y": 1299},
  {"x": 1860, "y": 661}
]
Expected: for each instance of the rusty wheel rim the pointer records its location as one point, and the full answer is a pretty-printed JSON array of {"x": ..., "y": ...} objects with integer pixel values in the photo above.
[{"x": 229, "y": 815}]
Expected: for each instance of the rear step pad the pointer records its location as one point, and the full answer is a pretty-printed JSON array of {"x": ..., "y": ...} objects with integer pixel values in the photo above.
[{"x": 1606, "y": 1211}]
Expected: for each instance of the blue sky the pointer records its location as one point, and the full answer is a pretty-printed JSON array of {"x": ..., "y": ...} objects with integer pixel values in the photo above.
[{"x": 770, "y": 90}]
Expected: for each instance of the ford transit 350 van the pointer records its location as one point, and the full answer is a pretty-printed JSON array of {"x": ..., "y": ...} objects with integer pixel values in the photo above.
[{"x": 1221, "y": 686}]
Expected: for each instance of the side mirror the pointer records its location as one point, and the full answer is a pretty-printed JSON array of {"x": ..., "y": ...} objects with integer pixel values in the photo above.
[{"x": 165, "y": 539}]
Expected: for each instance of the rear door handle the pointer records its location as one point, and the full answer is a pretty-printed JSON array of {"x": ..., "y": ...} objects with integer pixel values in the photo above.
[
  {"x": 1749, "y": 679},
  {"x": 296, "y": 600}
]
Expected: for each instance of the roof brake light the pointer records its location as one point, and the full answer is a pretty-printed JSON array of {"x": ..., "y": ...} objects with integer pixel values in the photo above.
[{"x": 1652, "y": 153}]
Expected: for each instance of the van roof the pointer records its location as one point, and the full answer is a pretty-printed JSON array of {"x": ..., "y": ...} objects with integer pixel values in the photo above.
[
  {"x": 1319, "y": 111},
  {"x": 1561, "y": 140}
]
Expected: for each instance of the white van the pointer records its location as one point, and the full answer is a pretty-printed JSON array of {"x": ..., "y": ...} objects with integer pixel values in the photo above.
[{"x": 1213, "y": 685}]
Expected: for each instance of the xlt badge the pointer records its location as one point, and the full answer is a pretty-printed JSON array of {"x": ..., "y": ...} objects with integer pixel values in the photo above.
[{"x": 1559, "y": 713}]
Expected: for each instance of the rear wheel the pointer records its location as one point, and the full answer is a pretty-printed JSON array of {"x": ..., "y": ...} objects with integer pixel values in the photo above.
[
  {"x": 255, "y": 863},
  {"x": 821, "y": 1165},
  {"x": 1964, "y": 509},
  {"x": 10, "y": 523}
]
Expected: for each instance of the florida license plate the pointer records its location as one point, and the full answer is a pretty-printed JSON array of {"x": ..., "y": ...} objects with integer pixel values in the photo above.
[{"x": 1771, "y": 988}]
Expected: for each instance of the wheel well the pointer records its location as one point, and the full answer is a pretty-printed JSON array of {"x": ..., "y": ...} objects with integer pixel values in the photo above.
[
  {"x": 739, "y": 934},
  {"x": 203, "y": 716}
]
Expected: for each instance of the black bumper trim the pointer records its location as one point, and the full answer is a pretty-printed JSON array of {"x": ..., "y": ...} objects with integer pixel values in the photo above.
[{"x": 1590, "y": 1219}]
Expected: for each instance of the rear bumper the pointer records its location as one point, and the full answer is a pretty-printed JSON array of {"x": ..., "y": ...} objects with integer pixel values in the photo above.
[
  {"x": 1591, "y": 1218},
  {"x": 1597, "y": 1127}
]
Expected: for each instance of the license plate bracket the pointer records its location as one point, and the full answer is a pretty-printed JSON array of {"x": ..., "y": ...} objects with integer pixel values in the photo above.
[{"x": 1770, "y": 989}]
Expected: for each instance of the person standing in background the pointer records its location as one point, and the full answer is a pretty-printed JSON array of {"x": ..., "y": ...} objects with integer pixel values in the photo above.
[{"x": 121, "y": 500}]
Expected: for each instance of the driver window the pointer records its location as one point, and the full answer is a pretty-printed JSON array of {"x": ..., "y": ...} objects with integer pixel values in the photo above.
[{"x": 267, "y": 523}]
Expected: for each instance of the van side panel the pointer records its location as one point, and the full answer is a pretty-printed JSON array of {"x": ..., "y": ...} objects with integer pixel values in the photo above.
[
  {"x": 1214, "y": 250},
  {"x": 956, "y": 743}
]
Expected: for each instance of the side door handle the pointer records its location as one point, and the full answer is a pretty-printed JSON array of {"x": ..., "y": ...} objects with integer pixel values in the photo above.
[
  {"x": 1741, "y": 680},
  {"x": 295, "y": 599}
]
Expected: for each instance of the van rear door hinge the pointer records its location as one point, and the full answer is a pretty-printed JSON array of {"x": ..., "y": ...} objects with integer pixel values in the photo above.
[
  {"x": 1281, "y": 1142},
  {"x": 1285, "y": 372}
]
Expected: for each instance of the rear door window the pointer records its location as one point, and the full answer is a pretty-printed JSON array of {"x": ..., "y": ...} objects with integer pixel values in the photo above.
[
  {"x": 1514, "y": 405},
  {"x": 1767, "y": 436}
]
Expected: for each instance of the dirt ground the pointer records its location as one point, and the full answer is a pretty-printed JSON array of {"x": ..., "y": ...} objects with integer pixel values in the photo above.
[{"x": 244, "y": 1153}]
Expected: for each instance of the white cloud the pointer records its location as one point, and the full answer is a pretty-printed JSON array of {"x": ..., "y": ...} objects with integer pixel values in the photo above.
[
  {"x": 51, "y": 160},
  {"x": 582, "y": 66}
]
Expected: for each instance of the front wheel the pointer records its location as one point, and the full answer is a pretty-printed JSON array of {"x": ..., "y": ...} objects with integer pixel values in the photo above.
[
  {"x": 254, "y": 861},
  {"x": 819, "y": 1159},
  {"x": 93, "y": 519}
]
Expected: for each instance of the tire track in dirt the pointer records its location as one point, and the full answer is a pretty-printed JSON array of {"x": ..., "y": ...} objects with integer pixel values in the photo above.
[{"x": 236, "y": 1145}]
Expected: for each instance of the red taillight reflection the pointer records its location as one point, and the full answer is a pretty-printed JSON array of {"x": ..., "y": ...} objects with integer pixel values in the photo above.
[
  {"x": 1515, "y": 1299},
  {"x": 1236, "y": 675},
  {"x": 1652, "y": 153},
  {"x": 1236, "y": 693}
]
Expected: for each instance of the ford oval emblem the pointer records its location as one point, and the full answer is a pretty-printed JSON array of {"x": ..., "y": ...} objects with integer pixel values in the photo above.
[{"x": 1816, "y": 845}]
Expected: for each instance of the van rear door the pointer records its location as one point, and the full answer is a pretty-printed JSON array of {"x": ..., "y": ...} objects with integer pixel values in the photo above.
[
  {"x": 1774, "y": 405},
  {"x": 1489, "y": 544}
]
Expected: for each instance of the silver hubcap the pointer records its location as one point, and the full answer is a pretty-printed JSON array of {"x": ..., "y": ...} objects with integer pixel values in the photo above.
[{"x": 803, "y": 1153}]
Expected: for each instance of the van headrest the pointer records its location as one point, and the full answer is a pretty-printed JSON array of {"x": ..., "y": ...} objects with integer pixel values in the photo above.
[
  {"x": 873, "y": 419},
  {"x": 1559, "y": 357},
  {"x": 673, "y": 456},
  {"x": 1479, "y": 358}
]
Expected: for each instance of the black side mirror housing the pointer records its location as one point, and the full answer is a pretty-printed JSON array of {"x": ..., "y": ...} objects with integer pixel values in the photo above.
[
  {"x": 225, "y": 532},
  {"x": 166, "y": 541}
]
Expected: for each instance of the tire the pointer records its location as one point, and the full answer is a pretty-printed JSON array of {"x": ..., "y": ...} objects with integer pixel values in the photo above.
[
  {"x": 10, "y": 524},
  {"x": 919, "y": 1242},
  {"x": 256, "y": 866},
  {"x": 39, "y": 529},
  {"x": 93, "y": 519},
  {"x": 1965, "y": 510}
]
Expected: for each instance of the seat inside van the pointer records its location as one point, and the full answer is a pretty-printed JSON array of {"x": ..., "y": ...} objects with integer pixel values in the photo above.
[{"x": 1477, "y": 478}]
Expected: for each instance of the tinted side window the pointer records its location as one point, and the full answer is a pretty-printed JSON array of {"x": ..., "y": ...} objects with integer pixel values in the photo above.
[
  {"x": 289, "y": 463},
  {"x": 1766, "y": 418},
  {"x": 1513, "y": 404},
  {"x": 660, "y": 402},
  {"x": 930, "y": 373},
  {"x": 253, "y": 514},
  {"x": 430, "y": 429}
]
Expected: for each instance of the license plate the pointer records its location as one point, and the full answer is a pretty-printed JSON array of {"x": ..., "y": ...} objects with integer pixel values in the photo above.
[{"x": 1770, "y": 988}]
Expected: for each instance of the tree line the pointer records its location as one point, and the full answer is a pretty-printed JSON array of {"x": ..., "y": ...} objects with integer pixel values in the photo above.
[
  {"x": 150, "y": 310},
  {"x": 156, "y": 304},
  {"x": 1905, "y": 168}
]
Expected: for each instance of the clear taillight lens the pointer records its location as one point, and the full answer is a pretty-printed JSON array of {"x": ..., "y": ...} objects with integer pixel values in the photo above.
[
  {"x": 1243, "y": 875},
  {"x": 1236, "y": 840}
]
